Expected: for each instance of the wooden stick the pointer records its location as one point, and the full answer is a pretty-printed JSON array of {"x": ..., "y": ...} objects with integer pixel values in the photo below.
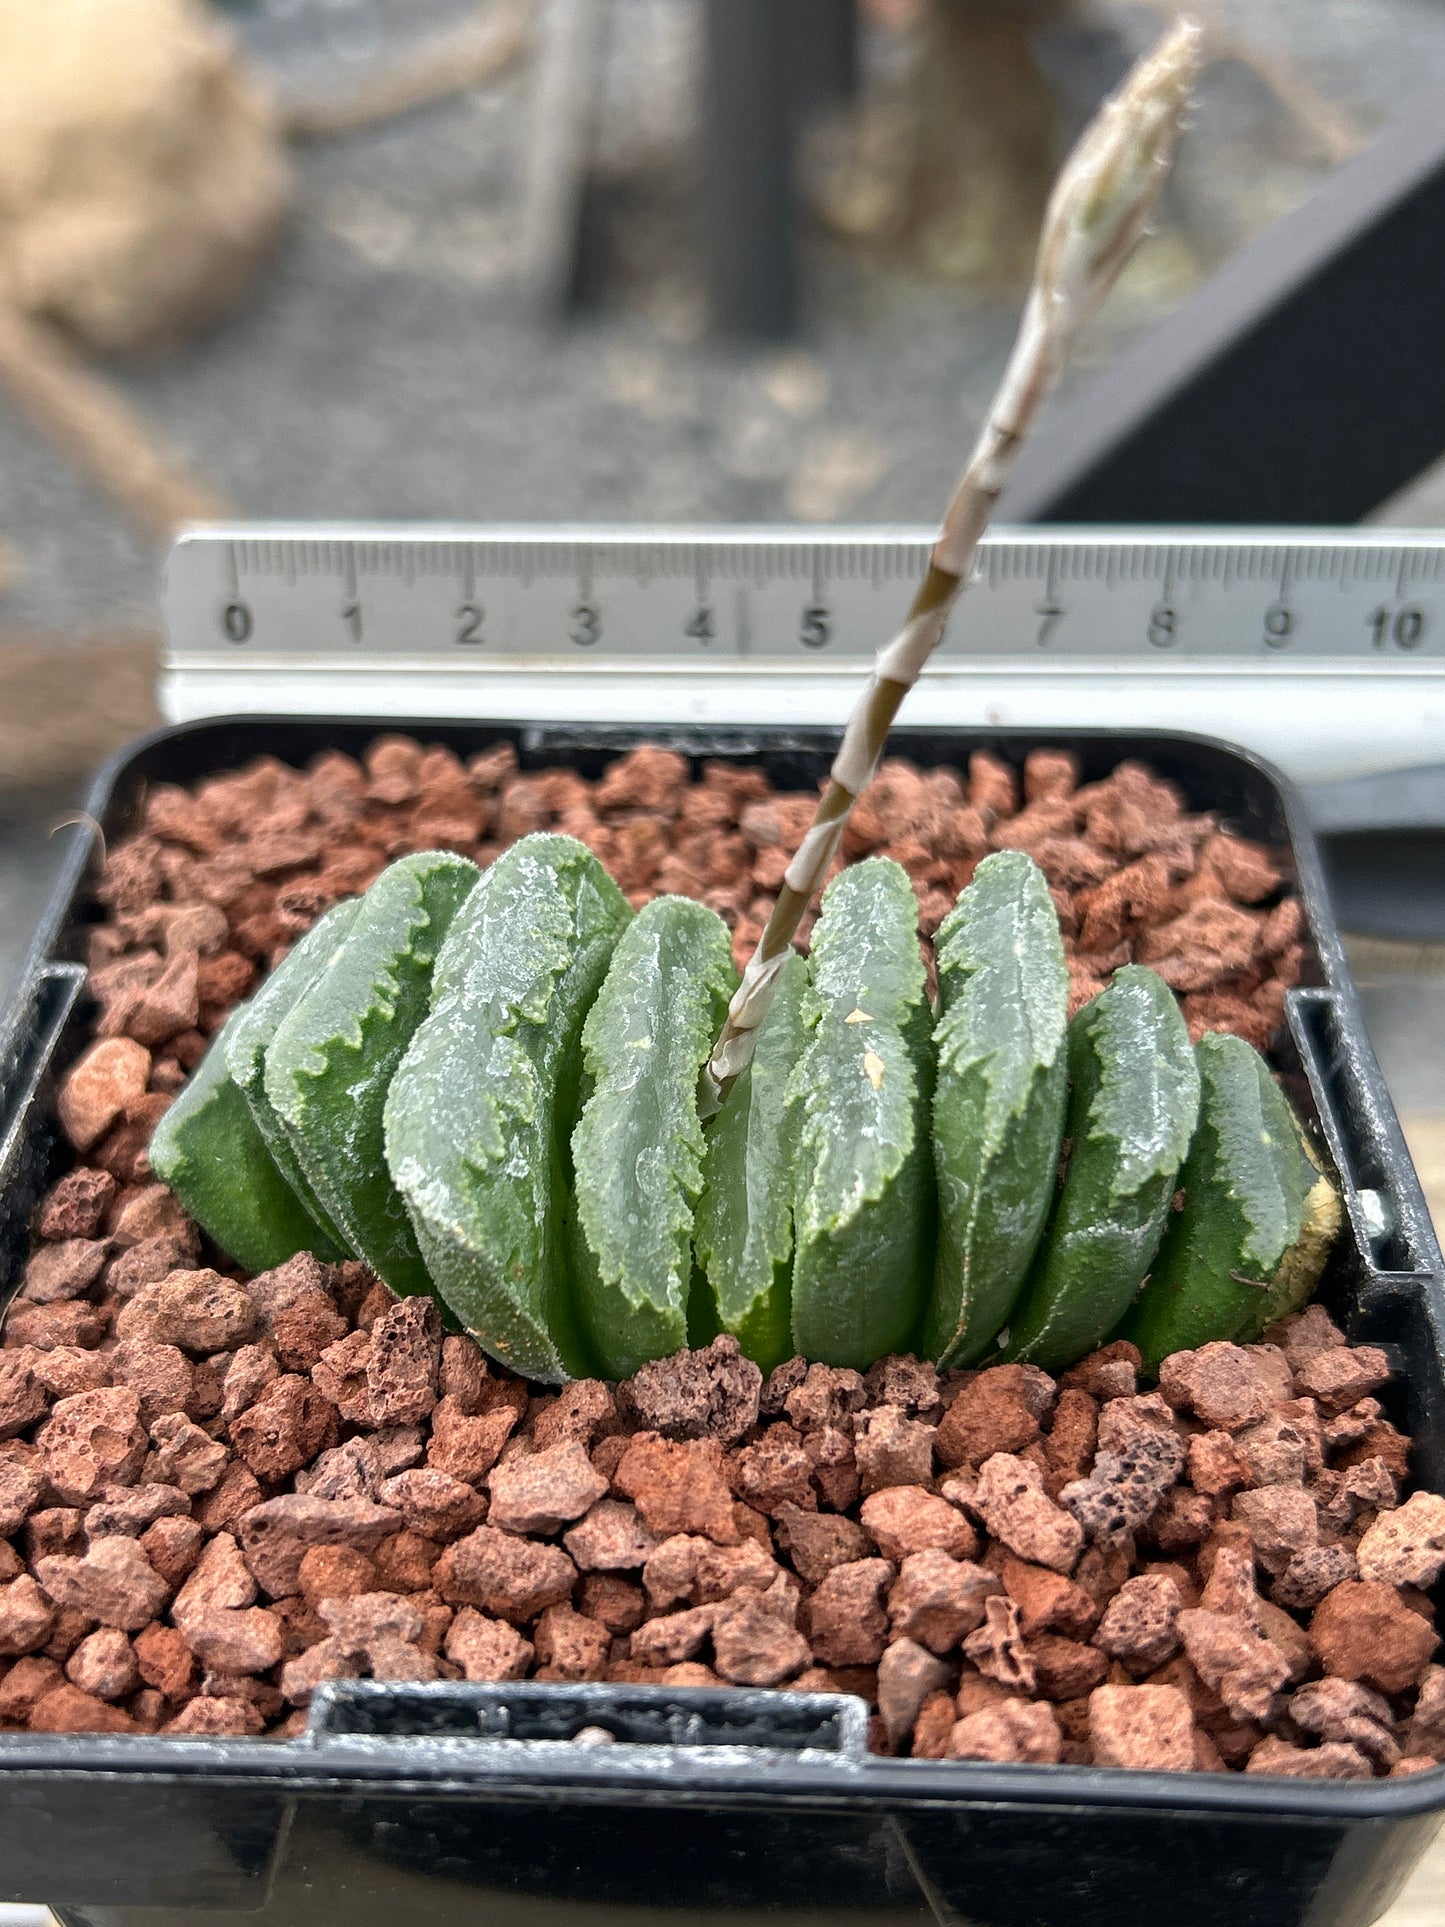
[
  {"x": 1096, "y": 217},
  {"x": 454, "y": 63},
  {"x": 93, "y": 424}
]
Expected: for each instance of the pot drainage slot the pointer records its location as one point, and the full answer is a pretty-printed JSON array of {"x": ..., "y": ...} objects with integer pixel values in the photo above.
[{"x": 591, "y": 1716}]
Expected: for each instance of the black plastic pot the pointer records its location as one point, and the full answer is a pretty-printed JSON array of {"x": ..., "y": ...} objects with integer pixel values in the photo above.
[{"x": 429, "y": 1804}]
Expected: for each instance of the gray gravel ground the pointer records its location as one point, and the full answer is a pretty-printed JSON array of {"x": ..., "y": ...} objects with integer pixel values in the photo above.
[{"x": 386, "y": 368}]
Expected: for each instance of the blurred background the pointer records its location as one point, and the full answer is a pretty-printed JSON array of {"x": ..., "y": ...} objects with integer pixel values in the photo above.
[{"x": 684, "y": 260}]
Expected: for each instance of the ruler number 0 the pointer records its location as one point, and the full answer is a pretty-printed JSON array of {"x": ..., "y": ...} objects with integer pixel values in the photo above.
[
  {"x": 1398, "y": 628},
  {"x": 236, "y": 622}
]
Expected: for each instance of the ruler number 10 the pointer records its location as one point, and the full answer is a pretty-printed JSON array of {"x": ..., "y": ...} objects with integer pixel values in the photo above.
[{"x": 1397, "y": 628}]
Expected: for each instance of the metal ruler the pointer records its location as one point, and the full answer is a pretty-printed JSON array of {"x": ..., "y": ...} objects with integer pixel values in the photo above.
[{"x": 1323, "y": 650}]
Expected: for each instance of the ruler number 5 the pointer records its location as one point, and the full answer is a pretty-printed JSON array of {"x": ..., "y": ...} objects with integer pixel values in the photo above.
[{"x": 815, "y": 631}]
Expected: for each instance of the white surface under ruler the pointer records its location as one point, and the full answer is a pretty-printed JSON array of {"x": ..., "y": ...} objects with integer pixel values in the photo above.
[{"x": 1323, "y": 650}]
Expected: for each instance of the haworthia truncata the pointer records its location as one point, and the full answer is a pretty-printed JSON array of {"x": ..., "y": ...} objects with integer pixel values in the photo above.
[
  {"x": 638, "y": 1146},
  {"x": 334, "y": 1054},
  {"x": 998, "y": 1103},
  {"x": 480, "y": 1114},
  {"x": 863, "y": 1208}
]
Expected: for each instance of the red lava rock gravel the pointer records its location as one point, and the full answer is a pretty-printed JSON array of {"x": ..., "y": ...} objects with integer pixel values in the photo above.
[
  {"x": 404, "y": 1510},
  {"x": 217, "y": 1493}
]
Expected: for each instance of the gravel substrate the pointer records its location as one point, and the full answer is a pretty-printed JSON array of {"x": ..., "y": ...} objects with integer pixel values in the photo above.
[{"x": 218, "y": 1492}]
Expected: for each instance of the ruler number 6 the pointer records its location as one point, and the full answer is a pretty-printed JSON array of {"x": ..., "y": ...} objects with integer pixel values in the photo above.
[{"x": 1398, "y": 628}]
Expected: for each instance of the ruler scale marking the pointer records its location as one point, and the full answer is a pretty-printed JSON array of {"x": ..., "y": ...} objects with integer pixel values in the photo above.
[{"x": 1066, "y": 626}]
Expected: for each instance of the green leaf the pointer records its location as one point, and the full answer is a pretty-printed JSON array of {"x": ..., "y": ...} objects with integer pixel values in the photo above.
[
  {"x": 208, "y": 1150},
  {"x": 998, "y": 1103},
  {"x": 335, "y": 1052},
  {"x": 863, "y": 1210},
  {"x": 743, "y": 1235},
  {"x": 1132, "y": 1110},
  {"x": 247, "y": 1043},
  {"x": 1251, "y": 1190},
  {"x": 638, "y": 1146},
  {"x": 480, "y": 1114}
]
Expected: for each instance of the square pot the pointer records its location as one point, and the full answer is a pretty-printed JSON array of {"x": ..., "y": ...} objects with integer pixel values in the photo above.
[{"x": 407, "y": 1802}]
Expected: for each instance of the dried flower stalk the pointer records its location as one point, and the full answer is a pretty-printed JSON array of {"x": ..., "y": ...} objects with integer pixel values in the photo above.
[{"x": 1096, "y": 217}]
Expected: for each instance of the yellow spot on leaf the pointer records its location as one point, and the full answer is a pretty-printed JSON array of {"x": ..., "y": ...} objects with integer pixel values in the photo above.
[
  {"x": 873, "y": 1064},
  {"x": 856, "y": 1016}
]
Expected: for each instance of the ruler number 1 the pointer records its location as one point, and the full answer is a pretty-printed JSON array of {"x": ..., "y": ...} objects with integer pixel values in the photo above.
[
  {"x": 1050, "y": 615},
  {"x": 1397, "y": 628}
]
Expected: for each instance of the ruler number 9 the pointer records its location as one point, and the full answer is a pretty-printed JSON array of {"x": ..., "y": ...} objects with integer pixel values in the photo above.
[{"x": 1397, "y": 628}]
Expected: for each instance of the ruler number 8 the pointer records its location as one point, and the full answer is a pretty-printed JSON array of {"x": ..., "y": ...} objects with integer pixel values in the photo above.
[{"x": 1163, "y": 622}]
